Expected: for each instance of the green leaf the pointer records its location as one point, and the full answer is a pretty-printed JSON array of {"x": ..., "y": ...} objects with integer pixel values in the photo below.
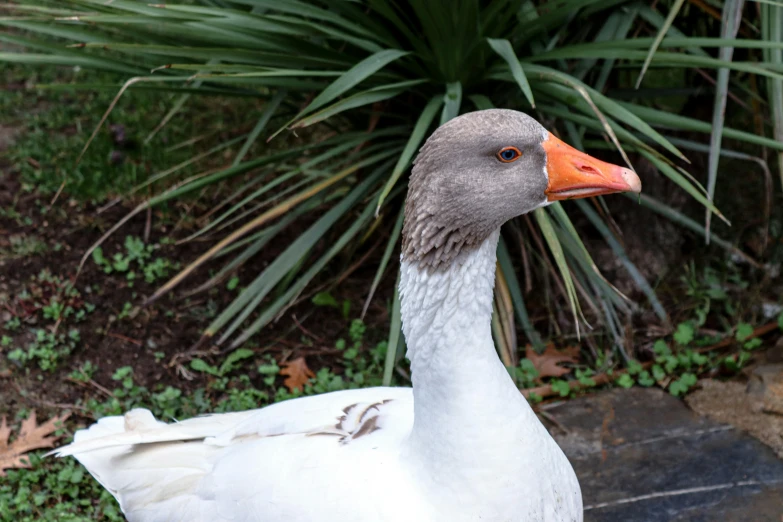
[
  {"x": 699, "y": 359},
  {"x": 584, "y": 376},
  {"x": 780, "y": 321},
  {"x": 683, "y": 384},
  {"x": 201, "y": 366},
  {"x": 504, "y": 49},
  {"x": 658, "y": 373},
  {"x": 561, "y": 387},
  {"x": 352, "y": 77},
  {"x": 752, "y": 344},
  {"x": 684, "y": 334},
  {"x": 269, "y": 369},
  {"x": 625, "y": 381},
  {"x": 233, "y": 358},
  {"x": 324, "y": 299},
  {"x": 295, "y": 288},
  {"x": 452, "y": 101},
  {"x": 644, "y": 379},
  {"x": 744, "y": 330}
]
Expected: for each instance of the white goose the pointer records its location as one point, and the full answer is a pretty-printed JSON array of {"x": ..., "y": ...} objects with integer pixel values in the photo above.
[{"x": 462, "y": 444}]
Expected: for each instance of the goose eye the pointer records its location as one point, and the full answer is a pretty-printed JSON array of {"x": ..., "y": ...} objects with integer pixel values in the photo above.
[{"x": 508, "y": 154}]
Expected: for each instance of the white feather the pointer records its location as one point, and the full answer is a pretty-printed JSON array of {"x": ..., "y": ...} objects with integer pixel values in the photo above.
[{"x": 476, "y": 451}]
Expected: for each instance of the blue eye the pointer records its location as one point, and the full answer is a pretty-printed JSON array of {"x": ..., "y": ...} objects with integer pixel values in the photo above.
[{"x": 508, "y": 154}]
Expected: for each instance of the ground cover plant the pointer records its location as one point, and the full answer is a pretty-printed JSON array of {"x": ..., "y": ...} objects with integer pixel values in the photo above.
[
  {"x": 301, "y": 301},
  {"x": 372, "y": 79}
]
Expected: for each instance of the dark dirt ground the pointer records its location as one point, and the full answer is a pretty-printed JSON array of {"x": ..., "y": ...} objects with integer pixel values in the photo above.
[{"x": 173, "y": 325}]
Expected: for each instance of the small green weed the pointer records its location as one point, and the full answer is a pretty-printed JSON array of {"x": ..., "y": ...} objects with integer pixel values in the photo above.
[
  {"x": 23, "y": 245},
  {"x": 136, "y": 257},
  {"x": 327, "y": 299},
  {"x": 53, "y": 305},
  {"x": 54, "y": 490},
  {"x": 47, "y": 349}
]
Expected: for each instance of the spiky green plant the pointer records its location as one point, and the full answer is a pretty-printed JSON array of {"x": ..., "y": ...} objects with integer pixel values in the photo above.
[{"x": 377, "y": 76}]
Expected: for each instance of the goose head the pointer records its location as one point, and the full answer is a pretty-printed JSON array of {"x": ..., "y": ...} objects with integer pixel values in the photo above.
[{"x": 483, "y": 168}]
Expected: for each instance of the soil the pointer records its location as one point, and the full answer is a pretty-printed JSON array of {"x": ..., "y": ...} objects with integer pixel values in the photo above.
[{"x": 171, "y": 326}]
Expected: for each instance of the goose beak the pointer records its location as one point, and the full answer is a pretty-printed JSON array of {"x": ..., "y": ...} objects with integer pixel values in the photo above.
[{"x": 574, "y": 174}]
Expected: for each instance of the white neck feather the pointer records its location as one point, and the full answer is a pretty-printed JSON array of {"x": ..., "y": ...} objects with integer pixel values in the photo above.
[{"x": 465, "y": 403}]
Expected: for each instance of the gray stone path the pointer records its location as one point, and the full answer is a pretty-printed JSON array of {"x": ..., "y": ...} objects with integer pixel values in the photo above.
[{"x": 642, "y": 456}]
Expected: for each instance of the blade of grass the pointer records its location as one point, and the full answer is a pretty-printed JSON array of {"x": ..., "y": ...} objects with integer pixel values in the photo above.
[
  {"x": 263, "y": 218},
  {"x": 370, "y": 96},
  {"x": 390, "y": 245},
  {"x": 395, "y": 335},
  {"x": 516, "y": 296},
  {"x": 505, "y": 314},
  {"x": 294, "y": 289},
  {"x": 661, "y": 118},
  {"x": 582, "y": 256},
  {"x": 269, "y": 111},
  {"x": 499, "y": 336},
  {"x": 732, "y": 14},
  {"x": 686, "y": 222},
  {"x": 772, "y": 31},
  {"x": 675, "y": 9},
  {"x": 481, "y": 102},
  {"x": 619, "y": 251},
  {"x": 279, "y": 179},
  {"x": 294, "y": 254},
  {"x": 596, "y": 101},
  {"x": 680, "y": 180},
  {"x": 451, "y": 102},
  {"x": 505, "y": 51},
  {"x": 187, "y": 187},
  {"x": 548, "y": 231},
  {"x": 352, "y": 77},
  {"x": 258, "y": 242},
  {"x": 417, "y": 136}
]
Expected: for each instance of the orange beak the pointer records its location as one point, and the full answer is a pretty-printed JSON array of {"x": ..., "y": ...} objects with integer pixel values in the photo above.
[{"x": 574, "y": 174}]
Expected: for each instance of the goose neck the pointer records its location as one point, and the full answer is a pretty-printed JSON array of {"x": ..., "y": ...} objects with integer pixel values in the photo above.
[{"x": 461, "y": 390}]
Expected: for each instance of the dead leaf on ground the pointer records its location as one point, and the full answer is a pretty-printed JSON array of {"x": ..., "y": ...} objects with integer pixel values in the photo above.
[
  {"x": 547, "y": 363},
  {"x": 298, "y": 374},
  {"x": 31, "y": 437}
]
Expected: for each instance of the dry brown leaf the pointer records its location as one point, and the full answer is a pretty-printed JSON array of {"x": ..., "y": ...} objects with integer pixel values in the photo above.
[
  {"x": 547, "y": 363},
  {"x": 298, "y": 374},
  {"x": 31, "y": 437}
]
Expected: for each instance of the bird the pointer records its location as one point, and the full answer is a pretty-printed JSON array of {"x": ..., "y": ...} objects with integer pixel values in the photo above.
[{"x": 461, "y": 444}]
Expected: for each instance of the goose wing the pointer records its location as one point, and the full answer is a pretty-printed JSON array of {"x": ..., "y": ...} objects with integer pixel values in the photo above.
[{"x": 255, "y": 465}]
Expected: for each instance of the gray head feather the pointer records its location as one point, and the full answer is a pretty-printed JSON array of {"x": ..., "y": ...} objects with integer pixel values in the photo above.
[{"x": 460, "y": 192}]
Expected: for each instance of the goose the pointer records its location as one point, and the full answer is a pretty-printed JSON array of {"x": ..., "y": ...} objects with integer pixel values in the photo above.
[{"x": 461, "y": 445}]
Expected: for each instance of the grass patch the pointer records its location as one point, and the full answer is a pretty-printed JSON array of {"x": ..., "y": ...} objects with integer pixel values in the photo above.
[{"x": 56, "y": 117}]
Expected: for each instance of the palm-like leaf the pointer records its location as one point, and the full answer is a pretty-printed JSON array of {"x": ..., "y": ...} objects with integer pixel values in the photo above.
[{"x": 392, "y": 67}]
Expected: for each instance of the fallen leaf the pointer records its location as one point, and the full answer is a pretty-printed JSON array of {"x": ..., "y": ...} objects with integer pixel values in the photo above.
[
  {"x": 298, "y": 374},
  {"x": 31, "y": 437},
  {"x": 547, "y": 363}
]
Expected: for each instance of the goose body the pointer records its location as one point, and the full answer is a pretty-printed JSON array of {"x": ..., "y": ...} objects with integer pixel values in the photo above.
[{"x": 461, "y": 445}]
